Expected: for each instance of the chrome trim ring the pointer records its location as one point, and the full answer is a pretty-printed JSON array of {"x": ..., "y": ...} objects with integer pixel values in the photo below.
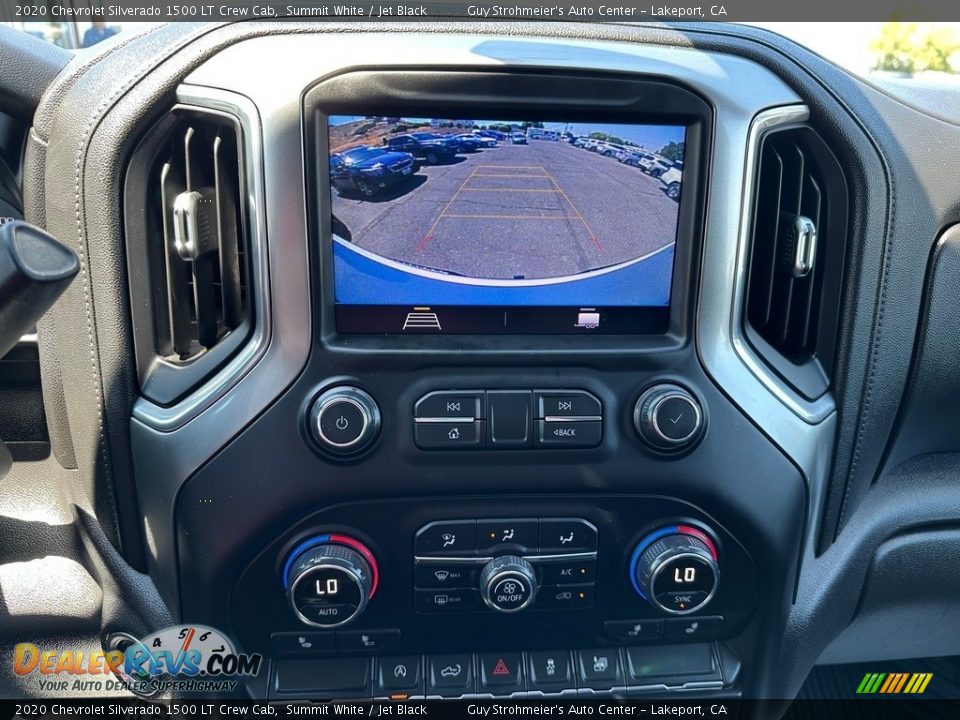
[
  {"x": 352, "y": 574},
  {"x": 654, "y": 423}
]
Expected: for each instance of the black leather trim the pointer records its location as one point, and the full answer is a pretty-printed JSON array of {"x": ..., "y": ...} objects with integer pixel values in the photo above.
[{"x": 29, "y": 66}]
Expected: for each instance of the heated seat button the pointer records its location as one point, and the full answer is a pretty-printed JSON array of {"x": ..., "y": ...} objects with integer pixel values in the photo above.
[
  {"x": 631, "y": 631},
  {"x": 569, "y": 434},
  {"x": 693, "y": 627},
  {"x": 509, "y": 419},
  {"x": 450, "y": 406},
  {"x": 507, "y": 536},
  {"x": 599, "y": 668},
  {"x": 566, "y": 404},
  {"x": 501, "y": 673},
  {"x": 367, "y": 640},
  {"x": 550, "y": 671},
  {"x": 567, "y": 535},
  {"x": 448, "y": 435},
  {"x": 302, "y": 643},
  {"x": 450, "y": 675},
  {"x": 447, "y": 537}
]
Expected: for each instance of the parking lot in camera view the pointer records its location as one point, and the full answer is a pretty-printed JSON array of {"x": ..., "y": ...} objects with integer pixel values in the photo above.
[{"x": 540, "y": 210}]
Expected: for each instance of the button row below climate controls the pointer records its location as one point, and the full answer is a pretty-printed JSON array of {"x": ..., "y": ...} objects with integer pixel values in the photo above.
[{"x": 587, "y": 672}]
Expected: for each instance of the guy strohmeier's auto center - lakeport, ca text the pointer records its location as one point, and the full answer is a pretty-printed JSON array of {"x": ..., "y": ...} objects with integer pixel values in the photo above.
[{"x": 584, "y": 11}]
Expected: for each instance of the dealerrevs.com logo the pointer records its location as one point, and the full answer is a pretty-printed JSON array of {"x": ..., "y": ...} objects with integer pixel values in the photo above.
[{"x": 183, "y": 658}]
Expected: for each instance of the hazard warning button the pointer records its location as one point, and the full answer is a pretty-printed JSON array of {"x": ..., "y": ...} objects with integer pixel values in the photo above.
[{"x": 501, "y": 673}]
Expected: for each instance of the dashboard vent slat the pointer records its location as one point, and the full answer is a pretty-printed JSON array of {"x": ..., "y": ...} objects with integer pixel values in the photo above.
[
  {"x": 173, "y": 332},
  {"x": 227, "y": 228},
  {"x": 188, "y": 174},
  {"x": 798, "y": 247}
]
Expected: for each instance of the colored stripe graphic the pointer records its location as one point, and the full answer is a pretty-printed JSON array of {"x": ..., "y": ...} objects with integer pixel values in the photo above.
[{"x": 894, "y": 683}]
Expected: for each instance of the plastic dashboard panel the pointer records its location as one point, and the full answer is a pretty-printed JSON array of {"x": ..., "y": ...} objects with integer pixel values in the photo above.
[
  {"x": 273, "y": 72},
  {"x": 270, "y": 479}
]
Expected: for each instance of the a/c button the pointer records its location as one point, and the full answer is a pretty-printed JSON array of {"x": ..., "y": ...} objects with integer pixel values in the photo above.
[{"x": 569, "y": 434}]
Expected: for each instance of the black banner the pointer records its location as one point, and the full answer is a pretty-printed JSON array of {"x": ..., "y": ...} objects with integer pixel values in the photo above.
[
  {"x": 511, "y": 10},
  {"x": 866, "y": 709}
]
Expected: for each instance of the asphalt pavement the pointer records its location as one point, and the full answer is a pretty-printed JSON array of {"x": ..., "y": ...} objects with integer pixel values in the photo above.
[{"x": 545, "y": 209}]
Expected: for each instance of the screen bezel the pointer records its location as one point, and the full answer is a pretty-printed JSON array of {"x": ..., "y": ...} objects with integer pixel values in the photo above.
[{"x": 524, "y": 94}]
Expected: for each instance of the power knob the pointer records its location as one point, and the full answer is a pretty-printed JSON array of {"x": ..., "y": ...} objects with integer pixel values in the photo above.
[
  {"x": 508, "y": 584},
  {"x": 668, "y": 418},
  {"x": 675, "y": 568},
  {"x": 344, "y": 420},
  {"x": 329, "y": 580}
]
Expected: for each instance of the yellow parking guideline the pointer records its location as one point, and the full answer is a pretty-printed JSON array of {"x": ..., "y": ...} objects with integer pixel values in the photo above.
[
  {"x": 515, "y": 217},
  {"x": 506, "y": 189}
]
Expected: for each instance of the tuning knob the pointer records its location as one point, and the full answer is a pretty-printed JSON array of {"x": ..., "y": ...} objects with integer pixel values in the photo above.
[
  {"x": 675, "y": 569},
  {"x": 329, "y": 580},
  {"x": 668, "y": 418},
  {"x": 508, "y": 584}
]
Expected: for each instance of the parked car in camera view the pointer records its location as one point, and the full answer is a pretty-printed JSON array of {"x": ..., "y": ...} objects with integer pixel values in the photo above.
[
  {"x": 369, "y": 170},
  {"x": 518, "y": 138},
  {"x": 468, "y": 142},
  {"x": 655, "y": 165},
  {"x": 486, "y": 141},
  {"x": 495, "y": 134},
  {"x": 671, "y": 181},
  {"x": 629, "y": 157},
  {"x": 431, "y": 148}
]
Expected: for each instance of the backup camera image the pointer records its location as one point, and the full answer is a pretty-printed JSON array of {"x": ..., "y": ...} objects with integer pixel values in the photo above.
[{"x": 430, "y": 211}]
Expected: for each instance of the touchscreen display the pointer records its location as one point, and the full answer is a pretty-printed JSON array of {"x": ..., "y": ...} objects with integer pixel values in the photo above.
[{"x": 501, "y": 226}]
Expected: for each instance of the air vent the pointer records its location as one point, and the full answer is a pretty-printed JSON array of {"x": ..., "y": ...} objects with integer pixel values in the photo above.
[
  {"x": 188, "y": 251},
  {"x": 797, "y": 257}
]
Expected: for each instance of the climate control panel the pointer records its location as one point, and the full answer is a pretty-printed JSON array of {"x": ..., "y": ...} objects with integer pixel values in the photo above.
[
  {"x": 505, "y": 565},
  {"x": 428, "y": 577}
]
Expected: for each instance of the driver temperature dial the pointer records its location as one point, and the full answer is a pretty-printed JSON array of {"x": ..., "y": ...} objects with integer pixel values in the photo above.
[{"x": 329, "y": 580}]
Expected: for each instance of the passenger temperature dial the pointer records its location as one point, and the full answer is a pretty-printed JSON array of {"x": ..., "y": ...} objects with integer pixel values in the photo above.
[
  {"x": 329, "y": 580},
  {"x": 675, "y": 569}
]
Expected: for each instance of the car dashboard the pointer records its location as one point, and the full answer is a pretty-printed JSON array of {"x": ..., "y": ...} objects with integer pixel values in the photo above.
[{"x": 684, "y": 450}]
